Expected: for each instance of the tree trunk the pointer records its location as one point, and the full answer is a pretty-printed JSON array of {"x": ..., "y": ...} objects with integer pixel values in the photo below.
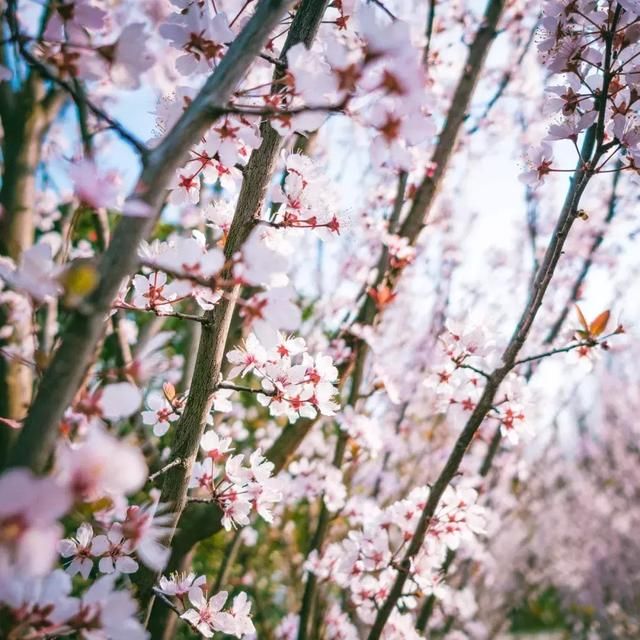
[{"x": 25, "y": 123}]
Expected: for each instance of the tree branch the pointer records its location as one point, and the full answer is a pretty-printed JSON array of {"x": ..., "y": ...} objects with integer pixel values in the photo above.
[
  {"x": 65, "y": 373},
  {"x": 425, "y": 195},
  {"x": 552, "y": 255},
  {"x": 79, "y": 98},
  {"x": 504, "y": 82},
  {"x": 431, "y": 16},
  {"x": 588, "y": 261},
  {"x": 322, "y": 527},
  {"x": 211, "y": 349},
  {"x": 571, "y": 347}
]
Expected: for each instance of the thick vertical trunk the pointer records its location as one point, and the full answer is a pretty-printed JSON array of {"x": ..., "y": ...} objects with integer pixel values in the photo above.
[{"x": 25, "y": 125}]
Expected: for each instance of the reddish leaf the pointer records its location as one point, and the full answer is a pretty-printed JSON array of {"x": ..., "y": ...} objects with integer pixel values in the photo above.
[
  {"x": 599, "y": 324},
  {"x": 582, "y": 319},
  {"x": 382, "y": 296},
  {"x": 169, "y": 391}
]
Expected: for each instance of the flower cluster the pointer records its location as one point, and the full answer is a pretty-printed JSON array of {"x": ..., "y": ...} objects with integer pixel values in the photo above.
[
  {"x": 381, "y": 69},
  {"x": 199, "y": 36},
  {"x": 309, "y": 479},
  {"x": 304, "y": 197},
  {"x": 293, "y": 383},
  {"x": 36, "y": 595},
  {"x": 191, "y": 263},
  {"x": 237, "y": 489},
  {"x": 35, "y": 274},
  {"x": 44, "y": 606},
  {"x": 206, "y": 614},
  {"x": 216, "y": 160},
  {"x": 459, "y": 381},
  {"x": 139, "y": 532},
  {"x": 365, "y": 563},
  {"x": 591, "y": 49}
]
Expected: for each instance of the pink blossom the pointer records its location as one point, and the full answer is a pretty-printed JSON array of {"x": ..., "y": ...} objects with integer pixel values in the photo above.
[
  {"x": 82, "y": 548},
  {"x": 36, "y": 273},
  {"x": 109, "y": 613},
  {"x": 116, "y": 551},
  {"x": 29, "y": 510},
  {"x": 237, "y": 621},
  {"x": 99, "y": 466},
  {"x": 206, "y": 614},
  {"x": 96, "y": 188},
  {"x": 160, "y": 414},
  {"x": 199, "y": 36},
  {"x": 180, "y": 584}
]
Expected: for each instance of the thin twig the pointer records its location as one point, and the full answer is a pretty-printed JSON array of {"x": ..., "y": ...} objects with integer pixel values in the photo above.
[
  {"x": 194, "y": 500},
  {"x": 504, "y": 82},
  {"x": 170, "y": 465},
  {"x": 588, "y": 261},
  {"x": 431, "y": 16},
  {"x": 238, "y": 387},
  {"x": 382, "y": 6},
  {"x": 164, "y": 314},
  {"x": 167, "y": 602},
  {"x": 79, "y": 99},
  {"x": 277, "y": 113},
  {"x": 576, "y": 345},
  {"x": 463, "y": 365}
]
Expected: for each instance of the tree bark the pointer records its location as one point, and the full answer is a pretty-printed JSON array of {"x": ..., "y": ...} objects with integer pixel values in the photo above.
[
  {"x": 257, "y": 176},
  {"x": 26, "y": 117}
]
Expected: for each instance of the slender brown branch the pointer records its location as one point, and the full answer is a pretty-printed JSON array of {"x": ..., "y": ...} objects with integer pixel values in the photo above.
[
  {"x": 576, "y": 345},
  {"x": 480, "y": 372},
  {"x": 164, "y": 314},
  {"x": 167, "y": 602},
  {"x": 278, "y": 113},
  {"x": 213, "y": 340},
  {"x": 382, "y": 6},
  {"x": 195, "y": 500},
  {"x": 239, "y": 387},
  {"x": 81, "y": 99},
  {"x": 426, "y": 192},
  {"x": 322, "y": 527},
  {"x": 427, "y": 608},
  {"x": 583, "y": 173},
  {"x": 505, "y": 81},
  {"x": 157, "y": 474},
  {"x": 588, "y": 261},
  {"x": 431, "y": 16}
]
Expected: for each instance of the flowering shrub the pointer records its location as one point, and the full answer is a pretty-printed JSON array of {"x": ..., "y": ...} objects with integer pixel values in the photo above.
[{"x": 312, "y": 319}]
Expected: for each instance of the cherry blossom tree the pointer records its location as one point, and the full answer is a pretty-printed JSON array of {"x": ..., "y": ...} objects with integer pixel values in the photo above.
[{"x": 316, "y": 318}]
